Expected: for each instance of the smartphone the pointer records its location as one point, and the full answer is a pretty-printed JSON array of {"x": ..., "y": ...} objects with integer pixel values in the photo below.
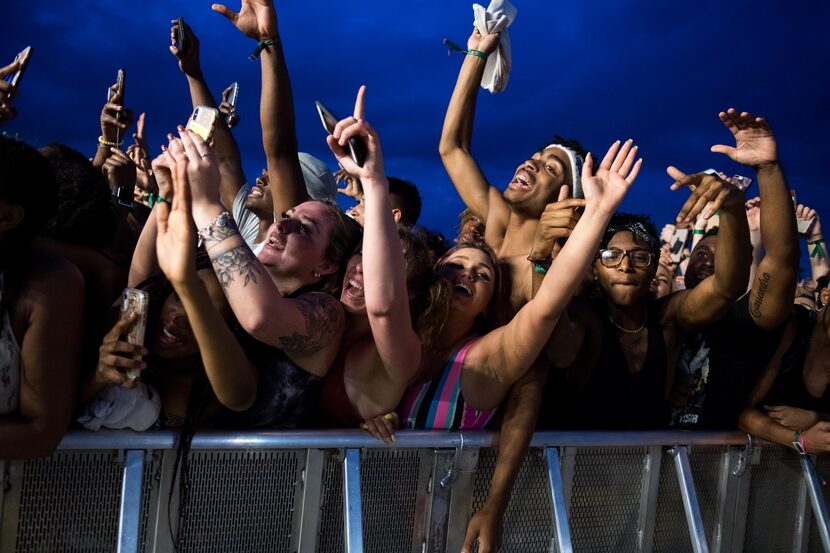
[
  {"x": 138, "y": 302},
  {"x": 741, "y": 183},
  {"x": 180, "y": 36},
  {"x": 678, "y": 242},
  {"x": 124, "y": 196},
  {"x": 232, "y": 119},
  {"x": 357, "y": 148},
  {"x": 203, "y": 121},
  {"x": 14, "y": 78},
  {"x": 804, "y": 226}
]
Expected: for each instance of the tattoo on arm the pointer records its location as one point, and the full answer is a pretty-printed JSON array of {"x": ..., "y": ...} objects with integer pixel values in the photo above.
[
  {"x": 236, "y": 261},
  {"x": 219, "y": 229},
  {"x": 763, "y": 284},
  {"x": 323, "y": 318}
]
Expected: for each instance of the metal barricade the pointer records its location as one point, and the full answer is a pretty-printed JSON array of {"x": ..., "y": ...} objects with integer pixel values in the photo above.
[{"x": 334, "y": 492}]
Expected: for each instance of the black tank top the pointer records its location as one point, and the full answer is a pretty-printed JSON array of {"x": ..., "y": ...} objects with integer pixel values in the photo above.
[
  {"x": 789, "y": 388},
  {"x": 615, "y": 397}
]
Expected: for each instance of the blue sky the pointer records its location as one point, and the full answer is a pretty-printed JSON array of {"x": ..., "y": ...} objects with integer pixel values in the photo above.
[{"x": 596, "y": 70}]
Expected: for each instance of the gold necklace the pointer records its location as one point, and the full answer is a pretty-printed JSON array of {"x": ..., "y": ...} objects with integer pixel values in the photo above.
[{"x": 637, "y": 331}]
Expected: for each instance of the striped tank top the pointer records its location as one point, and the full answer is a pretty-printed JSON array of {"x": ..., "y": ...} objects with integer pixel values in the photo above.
[{"x": 437, "y": 404}]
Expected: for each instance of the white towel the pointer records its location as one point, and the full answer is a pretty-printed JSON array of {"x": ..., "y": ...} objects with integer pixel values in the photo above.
[
  {"x": 116, "y": 407},
  {"x": 498, "y": 16}
]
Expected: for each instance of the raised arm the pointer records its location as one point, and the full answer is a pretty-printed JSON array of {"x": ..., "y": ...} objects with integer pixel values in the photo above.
[
  {"x": 302, "y": 326},
  {"x": 457, "y": 133},
  {"x": 502, "y": 356},
  {"x": 384, "y": 271},
  {"x": 224, "y": 144},
  {"x": 816, "y": 247},
  {"x": 257, "y": 19},
  {"x": 230, "y": 373},
  {"x": 710, "y": 299},
  {"x": 773, "y": 288}
]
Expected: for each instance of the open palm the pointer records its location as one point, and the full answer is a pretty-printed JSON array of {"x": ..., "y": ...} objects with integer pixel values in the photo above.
[
  {"x": 606, "y": 188},
  {"x": 256, "y": 18},
  {"x": 176, "y": 238},
  {"x": 754, "y": 142}
]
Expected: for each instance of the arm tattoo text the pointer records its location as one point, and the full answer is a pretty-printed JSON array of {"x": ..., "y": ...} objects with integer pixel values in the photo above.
[{"x": 763, "y": 284}]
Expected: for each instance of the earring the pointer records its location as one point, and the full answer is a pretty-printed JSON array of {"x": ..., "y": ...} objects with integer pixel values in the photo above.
[{"x": 316, "y": 274}]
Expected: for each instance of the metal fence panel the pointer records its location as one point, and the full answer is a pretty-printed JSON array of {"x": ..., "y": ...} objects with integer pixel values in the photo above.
[
  {"x": 241, "y": 501},
  {"x": 331, "y": 505},
  {"x": 528, "y": 522},
  {"x": 605, "y": 498},
  {"x": 773, "y": 502},
  {"x": 823, "y": 469},
  {"x": 67, "y": 502},
  {"x": 394, "y": 486}
]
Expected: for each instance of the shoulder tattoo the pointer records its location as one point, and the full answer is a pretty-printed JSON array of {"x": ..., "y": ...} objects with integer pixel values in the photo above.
[{"x": 323, "y": 319}]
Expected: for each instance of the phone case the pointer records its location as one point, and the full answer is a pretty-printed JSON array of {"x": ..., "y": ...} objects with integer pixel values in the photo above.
[
  {"x": 135, "y": 301},
  {"x": 203, "y": 121}
]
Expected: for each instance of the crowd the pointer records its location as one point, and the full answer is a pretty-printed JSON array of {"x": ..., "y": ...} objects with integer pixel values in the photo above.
[{"x": 267, "y": 306}]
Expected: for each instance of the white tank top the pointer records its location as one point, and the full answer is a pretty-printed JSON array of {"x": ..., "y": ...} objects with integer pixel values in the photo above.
[{"x": 9, "y": 364}]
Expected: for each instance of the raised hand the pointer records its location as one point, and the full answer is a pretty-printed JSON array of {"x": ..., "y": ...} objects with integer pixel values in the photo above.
[
  {"x": 557, "y": 221},
  {"x": 357, "y": 127},
  {"x": 486, "y": 43},
  {"x": 256, "y": 19},
  {"x": 754, "y": 143},
  {"x": 706, "y": 190},
  {"x": 119, "y": 169},
  {"x": 176, "y": 237},
  {"x": 753, "y": 214},
  {"x": 115, "y": 118},
  {"x": 7, "y": 111},
  {"x": 189, "y": 56},
  {"x": 804, "y": 215},
  {"x": 202, "y": 168},
  {"x": 351, "y": 185},
  {"x": 606, "y": 189},
  {"x": 117, "y": 358},
  {"x": 139, "y": 153}
]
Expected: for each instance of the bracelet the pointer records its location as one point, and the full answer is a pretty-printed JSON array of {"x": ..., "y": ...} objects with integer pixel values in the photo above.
[
  {"x": 540, "y": 266},
  {"x": 698, "y": 231},
  {"x": 798, "y": 442},
  {"x": 818, "y": 251},
  {"x": 153, "y": 199},
  {"x": 104, "y": 142},
  {"x": 222, "y": 220},
  {"x": 260, "y": 46},
  {"x": 471, "y": 52}
]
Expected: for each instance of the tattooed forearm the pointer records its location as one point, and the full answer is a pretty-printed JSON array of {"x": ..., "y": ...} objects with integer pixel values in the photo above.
[
  {"x": 236, "y": 261},
  {"x": 763, "y": 284},
  {"x": 323, "y": 319},
  {"x": 219, "y": 229}
]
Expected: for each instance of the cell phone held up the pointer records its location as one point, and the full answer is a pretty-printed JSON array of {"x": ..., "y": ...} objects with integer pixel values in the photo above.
[
  {"x": 14, "y": 78},
  {"x": 357, "y": 148},
  {"x": 203, "y": 121},
  {"x": 232, "y": 119},
  {"x": 678, "y": 242},
  {"x": 181, "y": 42},
  {"x": 134, "y": 301}
]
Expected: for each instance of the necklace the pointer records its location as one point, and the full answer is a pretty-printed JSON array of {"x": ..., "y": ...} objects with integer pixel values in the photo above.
[{"x": 636, "y": 331}]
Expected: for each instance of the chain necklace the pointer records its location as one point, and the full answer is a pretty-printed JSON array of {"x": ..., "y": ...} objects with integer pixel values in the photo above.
[{"x": 636, "y": 331}]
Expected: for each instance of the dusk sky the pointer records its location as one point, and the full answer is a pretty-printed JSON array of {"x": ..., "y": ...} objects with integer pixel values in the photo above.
[{"x": 656, "y": 71}]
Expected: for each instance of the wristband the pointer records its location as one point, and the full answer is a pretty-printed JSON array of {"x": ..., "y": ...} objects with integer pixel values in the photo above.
[
  {"x": 206, "y": 233},
  {"x": 153, "y": 199},
  {"x": 471, "y": 52},
  {"x": 105, "y": 142},
  {"x": 798, "y": 442},
  {"x": 260, "y": 46},
  {"x": 540, "y": 266},
  {"x": 698, "y": 231},
  {"x": 818, "y": 251}
]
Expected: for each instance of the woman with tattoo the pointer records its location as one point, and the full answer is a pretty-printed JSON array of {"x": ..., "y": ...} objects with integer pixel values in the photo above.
[{"x": 465, "y": 377}]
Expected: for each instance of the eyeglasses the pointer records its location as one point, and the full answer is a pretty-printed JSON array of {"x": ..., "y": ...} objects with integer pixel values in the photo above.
[{"x": 640, "y": 259}]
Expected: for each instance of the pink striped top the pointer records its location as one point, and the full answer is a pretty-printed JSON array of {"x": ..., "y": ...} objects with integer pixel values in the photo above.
[{"x": 437, "y": 404}]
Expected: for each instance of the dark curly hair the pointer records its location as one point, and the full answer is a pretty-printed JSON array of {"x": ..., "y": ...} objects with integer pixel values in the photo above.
[
  {"x": 639, "y": 224},
  {"x": 404, "y": 195},
  {"x": 85, "y": 211}
]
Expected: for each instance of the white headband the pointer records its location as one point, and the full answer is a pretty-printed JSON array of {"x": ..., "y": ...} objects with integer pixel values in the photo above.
[{"x": 576, "y": 162}]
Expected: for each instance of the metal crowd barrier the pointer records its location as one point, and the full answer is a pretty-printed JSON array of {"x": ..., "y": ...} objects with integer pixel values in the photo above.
[{"x": 334, "y": 492}]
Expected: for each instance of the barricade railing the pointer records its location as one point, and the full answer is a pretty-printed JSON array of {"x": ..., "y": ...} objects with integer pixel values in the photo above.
[{"x": 343, "y": 491}]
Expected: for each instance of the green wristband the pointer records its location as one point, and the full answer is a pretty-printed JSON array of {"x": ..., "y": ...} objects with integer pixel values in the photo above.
[
  {"x": 477, "y": 53},
  {"x": 260, "y": 46}
]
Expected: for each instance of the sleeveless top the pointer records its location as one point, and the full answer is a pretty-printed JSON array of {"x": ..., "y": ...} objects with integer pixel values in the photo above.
[
  {"x": 437, "y": 404},
  {"x": 789, "y": 388},
  {"x": 615, "y": 397},
  {"x": 286, "y": 394},
  {"x": 9, "y": 363}
]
